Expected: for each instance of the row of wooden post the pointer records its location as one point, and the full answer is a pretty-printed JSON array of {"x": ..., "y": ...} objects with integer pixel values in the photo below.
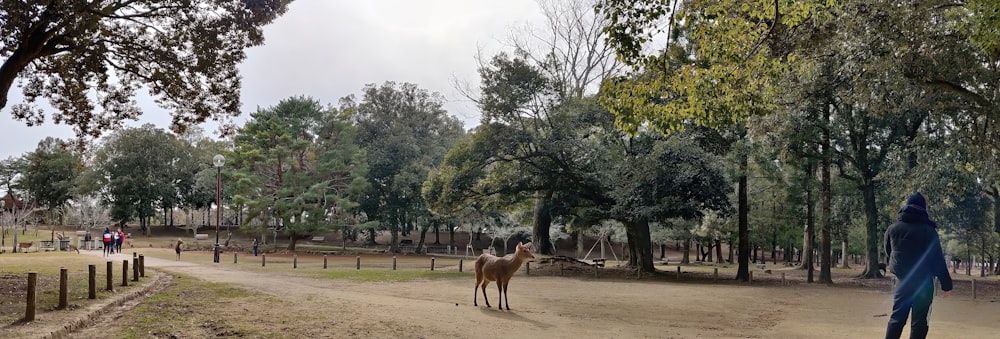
[{"x": 138, "y": 270}]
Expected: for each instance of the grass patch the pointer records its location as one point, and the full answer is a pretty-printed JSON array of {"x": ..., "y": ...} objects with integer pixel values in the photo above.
[
  {"x": 193, "y": 308},
  {"x": 385, "y": 276},
  {"x": 14, "y": 280}
]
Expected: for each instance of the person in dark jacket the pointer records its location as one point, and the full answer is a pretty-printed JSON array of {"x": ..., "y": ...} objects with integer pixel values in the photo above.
[{"x": 915, "y": 257}]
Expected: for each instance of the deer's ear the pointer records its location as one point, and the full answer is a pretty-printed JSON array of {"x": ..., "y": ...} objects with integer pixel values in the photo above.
[{"x": 528, "y": 245}]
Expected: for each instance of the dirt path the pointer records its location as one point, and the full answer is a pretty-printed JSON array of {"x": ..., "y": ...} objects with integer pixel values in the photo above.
[{"x": 573, "y": 308}]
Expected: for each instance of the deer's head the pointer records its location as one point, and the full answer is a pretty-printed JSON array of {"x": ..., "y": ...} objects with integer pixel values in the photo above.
[{"x": 523, "y": 251}]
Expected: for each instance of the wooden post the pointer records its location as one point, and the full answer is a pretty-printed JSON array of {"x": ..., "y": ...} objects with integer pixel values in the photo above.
[
  {"x": 142, "y": 266},
  {"x": 124, "y": 272},
  {"x": 29, "y": 310},
  {"x": 92, "y": 281},
  {"x": 460, "y": 265},
  {"x": 715, "y": 274},
  {"x": 295, "y": 261},
  {"x": 595, "y": 270},
  {"x": 135, "y": 268},
  {"x": 63, "y": 273},
  {"x": 782, "y": 278},
  {"x": 235, "y": 259},
  {"x": 263, "y": 259},
  {"x": 973, "y": 289},
  {"x": 527, "y": 268},
  {"x": 678, "y": 273},
  {"x": 751, "y": 277},
  {"x": 324, "y": 261},
  {"x": 393, "y": 263},
  {"x": 432, "y": 263},
  {"x": 359, "y": 263},
  {"x": 110, "y": 277},
  {"x": 561, "y": 268},
  {"x": 638, "y": 272}
]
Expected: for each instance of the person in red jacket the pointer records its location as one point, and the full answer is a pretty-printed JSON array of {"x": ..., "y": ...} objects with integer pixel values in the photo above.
[
  {"x": 107, "y": 242},
  {"x": 915, "y": 257}
]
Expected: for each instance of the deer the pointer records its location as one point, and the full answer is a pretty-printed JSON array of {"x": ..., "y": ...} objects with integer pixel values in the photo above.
[
  {"x": 24, "y": 246},
  {"x": 500, "y": 269},
  {"x": 72, "y": 247},
  {"x": 177, "y": 248}
]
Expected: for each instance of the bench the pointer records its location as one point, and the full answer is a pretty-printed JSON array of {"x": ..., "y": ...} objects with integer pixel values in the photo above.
[
  {"x": 318, "y": 239},
  {"x": 406, "y": 242},
  {"x": 46, "y": 245},
  {"x": 599, "y": 262}
]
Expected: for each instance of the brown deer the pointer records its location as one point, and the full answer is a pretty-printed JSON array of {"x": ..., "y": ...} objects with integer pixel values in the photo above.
[
  {"x": 177, "y": 248},
  {"x": 72, "y": 247},
  {"x": 492, "y": 268},
  {"x": 24, "y": 246}
]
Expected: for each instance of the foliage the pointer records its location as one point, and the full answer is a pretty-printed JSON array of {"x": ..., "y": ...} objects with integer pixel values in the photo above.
[
  {"x": 88, "y": 58},
  {"x": 298, "y": 169},
  {"x": 49, "y": 173},
  {"x": 405, "y": 133},
  {"x": 132, "y": 172}
]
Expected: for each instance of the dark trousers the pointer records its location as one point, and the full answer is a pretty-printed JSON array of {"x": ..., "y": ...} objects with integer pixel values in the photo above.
[{"x": 916, "y": 296}]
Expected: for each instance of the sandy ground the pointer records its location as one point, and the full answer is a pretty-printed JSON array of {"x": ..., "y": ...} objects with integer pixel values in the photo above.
[{"x": 561, "y": 307}]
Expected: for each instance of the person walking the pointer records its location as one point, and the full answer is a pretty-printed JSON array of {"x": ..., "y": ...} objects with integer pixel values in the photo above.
[
  {"x": 119, "y": 240},
  {"x": 255, "y": 247},
  {"x": 915, "y": 258},
  {"x": 106, "y": 237}
]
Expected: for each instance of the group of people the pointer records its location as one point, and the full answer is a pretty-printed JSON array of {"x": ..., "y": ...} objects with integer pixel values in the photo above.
[{"x": 113, "y": 241}]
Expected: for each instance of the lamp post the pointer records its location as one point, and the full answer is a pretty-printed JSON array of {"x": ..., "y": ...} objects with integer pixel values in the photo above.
[{"x": 218, "y": 160}]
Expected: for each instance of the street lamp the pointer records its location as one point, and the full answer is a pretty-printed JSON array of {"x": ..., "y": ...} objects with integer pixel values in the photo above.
[{"x": 218, "y": 160}]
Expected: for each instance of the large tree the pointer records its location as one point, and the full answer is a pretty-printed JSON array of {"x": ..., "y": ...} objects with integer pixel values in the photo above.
[
  {"x": 298, "y": 168},
  {"x": 49, "y": 174},
  {"x": 133, "y": 172},
  {"x": 88, "y": 58},
  {"x": 405, "y": 132}
]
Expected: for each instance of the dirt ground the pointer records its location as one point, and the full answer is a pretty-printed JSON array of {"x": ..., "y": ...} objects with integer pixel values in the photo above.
[{"x": 548, "y": 305}]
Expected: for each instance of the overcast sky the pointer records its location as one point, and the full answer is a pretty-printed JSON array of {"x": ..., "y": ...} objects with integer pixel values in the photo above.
[{"x": 328, "y": 49}]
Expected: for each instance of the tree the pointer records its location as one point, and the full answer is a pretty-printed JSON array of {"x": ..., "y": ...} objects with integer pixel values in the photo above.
[
  {"x": 133, "y": 174},
  {"x": 405, "y": 132},
  {"x": 298, "y": 168},
  {"x": 84, "y": 54},
  {"x": 49, "y": 174},
  {"x": 722, "y": 72}
]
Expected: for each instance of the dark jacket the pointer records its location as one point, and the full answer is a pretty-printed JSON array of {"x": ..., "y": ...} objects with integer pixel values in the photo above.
[{"x": 914, "y": 248}]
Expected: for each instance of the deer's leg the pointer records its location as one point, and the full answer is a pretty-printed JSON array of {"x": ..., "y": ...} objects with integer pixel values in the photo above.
[
  {"x": 500, "y": 294},
  {"x": 506, "y": 300},
  {"x": 475, "y": 289},
  {"x": 486, "y": 282}
]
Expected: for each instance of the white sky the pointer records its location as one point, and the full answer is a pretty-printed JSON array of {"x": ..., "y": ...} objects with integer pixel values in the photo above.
[{"x": 328, "y": 49}]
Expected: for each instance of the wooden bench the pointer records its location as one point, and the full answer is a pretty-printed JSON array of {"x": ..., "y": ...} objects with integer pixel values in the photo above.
[
  {"x": 318, "y": 239},
  {"x": 47, "y": 245},
  {"x": 599, "y": 262}
]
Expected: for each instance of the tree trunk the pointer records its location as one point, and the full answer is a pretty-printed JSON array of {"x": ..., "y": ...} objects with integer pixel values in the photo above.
[
  {"x": 437, "y": 233},
  {"x": 871, "y": 226},
  {"x": 451, "y": 235},
  {"x": 423, "y": 236},
  {"x": 843, "y": 253},
  {"x": 579, "y": 243},
  {"x": 640, "y": 246},
  {"x": 743, "y": 271},
  {"x": 718, "y": 251},
  {"x": 542, "y": 224},
  {"x": 825, "y": 276},
  {"x": 809, "y": 236},
  {"x": 686, "y": 258},
  {"x": 293, "y": 239}
]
